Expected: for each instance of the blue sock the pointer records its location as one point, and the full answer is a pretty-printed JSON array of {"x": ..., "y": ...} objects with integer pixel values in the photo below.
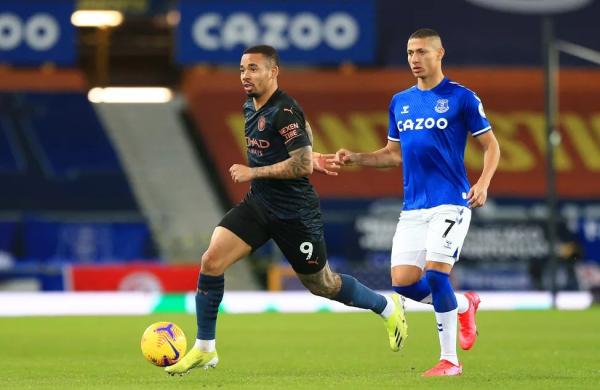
[
  {"x": 442, "y": 293},
  {"x": 208, "y": 299},
  {"x": 417, "y": 291},
  {"x": 354, "y": 293}
]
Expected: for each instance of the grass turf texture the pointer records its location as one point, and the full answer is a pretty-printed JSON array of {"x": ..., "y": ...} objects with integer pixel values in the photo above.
[{"x": 528, "y": 350}]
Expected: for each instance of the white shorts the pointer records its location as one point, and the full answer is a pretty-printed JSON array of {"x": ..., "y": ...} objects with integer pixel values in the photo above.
[{"x": 435, "y": 234}]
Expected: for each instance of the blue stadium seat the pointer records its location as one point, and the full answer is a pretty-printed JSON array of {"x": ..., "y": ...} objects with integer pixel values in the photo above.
[
  {"x": 55, "y": 154},
  {"x": 70, "y": 137}
]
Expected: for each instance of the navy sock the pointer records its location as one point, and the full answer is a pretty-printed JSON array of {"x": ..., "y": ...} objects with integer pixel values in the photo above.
[
  {"x": 417, "y": 291},
  {"x": 354, "y": 293},
  {"x": 442, "y": 293},
  {"x": 208, "y": 299}
]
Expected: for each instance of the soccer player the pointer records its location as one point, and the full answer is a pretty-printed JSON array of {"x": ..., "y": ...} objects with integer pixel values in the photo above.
[
  {"x": 428, "y": 128},
  {"x": 281, "y": 205}
]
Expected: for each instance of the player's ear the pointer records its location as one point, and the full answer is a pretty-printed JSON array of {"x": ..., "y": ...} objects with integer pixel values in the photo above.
[
  {"x": 441, "y": 53},
  {"x": 274, "y": 71}
]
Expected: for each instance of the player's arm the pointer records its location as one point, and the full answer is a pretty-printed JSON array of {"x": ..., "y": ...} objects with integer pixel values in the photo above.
[
  {"x": 386, "y": 157},
  {"x": 491, "y": 156},
  {"x": 299, "y": 164}
]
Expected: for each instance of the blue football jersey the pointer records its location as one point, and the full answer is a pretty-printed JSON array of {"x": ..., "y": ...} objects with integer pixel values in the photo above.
[{"x": 432, "y": 127}]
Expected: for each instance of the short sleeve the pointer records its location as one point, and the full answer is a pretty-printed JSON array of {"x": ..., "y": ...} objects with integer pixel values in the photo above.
[
  {"x": 477, "y": 122},
  {"x": 291, "y": 125},
  {"x": 393, "y": 133}
]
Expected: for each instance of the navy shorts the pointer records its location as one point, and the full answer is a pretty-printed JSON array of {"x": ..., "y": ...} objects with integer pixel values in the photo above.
[{"x": 301, "y": 241}]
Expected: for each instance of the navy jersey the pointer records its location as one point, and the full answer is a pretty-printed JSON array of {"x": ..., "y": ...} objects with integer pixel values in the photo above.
[
  {"x": 432, "y": 127},
  {"x": 273, "y": 131}
]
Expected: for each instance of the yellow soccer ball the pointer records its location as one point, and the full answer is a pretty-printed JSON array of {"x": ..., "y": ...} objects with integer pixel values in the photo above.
[{"x": 163, "y": 343}]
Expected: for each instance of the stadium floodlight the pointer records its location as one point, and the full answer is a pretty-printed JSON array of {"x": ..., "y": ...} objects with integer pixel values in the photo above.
[
  {"x": 130, "y": 95},
  {"x": 98, "y": 18}
]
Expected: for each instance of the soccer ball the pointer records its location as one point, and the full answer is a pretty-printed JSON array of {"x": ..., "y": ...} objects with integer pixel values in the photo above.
[{"x": 163, "y": 343}]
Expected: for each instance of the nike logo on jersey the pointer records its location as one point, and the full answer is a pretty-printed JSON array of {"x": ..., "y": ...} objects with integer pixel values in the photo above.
[
  {"x": 422, "y": 124},
  {"x": 404, "y": 110}
]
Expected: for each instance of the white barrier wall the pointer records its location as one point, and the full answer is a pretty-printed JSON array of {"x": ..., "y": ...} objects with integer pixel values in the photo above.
[{"x": 138, "y": 303}]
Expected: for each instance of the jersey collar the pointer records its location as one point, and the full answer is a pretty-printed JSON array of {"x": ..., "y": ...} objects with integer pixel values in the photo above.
[
  {"x": 274, "y": 96},
  {"x": 436, "y": 88}
]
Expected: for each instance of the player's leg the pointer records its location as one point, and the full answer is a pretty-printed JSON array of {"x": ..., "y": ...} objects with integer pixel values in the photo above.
[
  {"x": 240, "y": 231},
  {"x": 410, "y": 282},
  {"x": 348, "y": 290},
  {"x": 448, "y": 227},
  {"x": 343, "y": 288},
  {"x": 303, "y": 244},
  {"x": 408, "y": 257},
  {"x": 437, "y": 275},
  {"x": 225, "y": 249},
  {"x": 408, "y": 260}
]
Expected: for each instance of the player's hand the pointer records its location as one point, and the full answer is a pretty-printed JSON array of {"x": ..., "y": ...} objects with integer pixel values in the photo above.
[
  {"x": 321, "y": 164},
  {"x": 240, "y": 173},
  {"x": 343, "y": 157},
  {"x": 477, "y": 195}
]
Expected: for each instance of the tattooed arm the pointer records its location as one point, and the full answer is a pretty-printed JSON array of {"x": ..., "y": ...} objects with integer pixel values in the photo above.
[{"x": 299, "y": 164}]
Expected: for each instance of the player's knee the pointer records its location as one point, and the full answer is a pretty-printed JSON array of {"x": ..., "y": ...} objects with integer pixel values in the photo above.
[
  {"x": 211, "y": 264},
  {"x": 403, "y": 278}
]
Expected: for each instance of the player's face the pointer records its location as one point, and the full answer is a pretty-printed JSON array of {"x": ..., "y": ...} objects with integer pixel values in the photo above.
[
  {"x": 424, "y": 56},
  {"x": 257, "y": 73}
]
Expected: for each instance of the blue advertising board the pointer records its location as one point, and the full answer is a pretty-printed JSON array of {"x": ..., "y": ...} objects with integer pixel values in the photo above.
[
  {"x": 307, "y": 32},
  {"x": 33, "y": 32}
]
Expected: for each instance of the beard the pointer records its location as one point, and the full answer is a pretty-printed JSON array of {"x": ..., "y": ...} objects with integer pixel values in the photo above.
[{"x": 252, "y": 94}]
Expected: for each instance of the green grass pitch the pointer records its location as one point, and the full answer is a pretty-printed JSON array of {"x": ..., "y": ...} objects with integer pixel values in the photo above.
[{"x": 515, "y": 350}]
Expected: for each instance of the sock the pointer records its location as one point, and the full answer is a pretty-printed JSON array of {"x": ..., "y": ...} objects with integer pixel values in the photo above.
[
  {"x": 205, "y": 345},
  {"x": 447, "y": 332},
  {"x": 354, "y": 293},
  {"x": 421, "y": 292},
  {"x": 208, "y": 299},
  {"x": 389, "y": 308},
  {"x": 445, "y": 306}
]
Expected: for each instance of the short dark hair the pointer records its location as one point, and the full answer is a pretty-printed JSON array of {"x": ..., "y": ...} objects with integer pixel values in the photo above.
[
  {"x": 424, "y": 33},
  {"x": 268, "y": 51}
]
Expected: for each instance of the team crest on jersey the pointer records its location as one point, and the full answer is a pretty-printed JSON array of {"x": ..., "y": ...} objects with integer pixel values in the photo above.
[
  {"x": 442, "y": 106},
  {"x": 261, "y": 123}
]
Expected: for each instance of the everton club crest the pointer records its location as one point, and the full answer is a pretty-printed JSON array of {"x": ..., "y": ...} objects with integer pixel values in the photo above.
[{"x": 442, "y": 106}]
